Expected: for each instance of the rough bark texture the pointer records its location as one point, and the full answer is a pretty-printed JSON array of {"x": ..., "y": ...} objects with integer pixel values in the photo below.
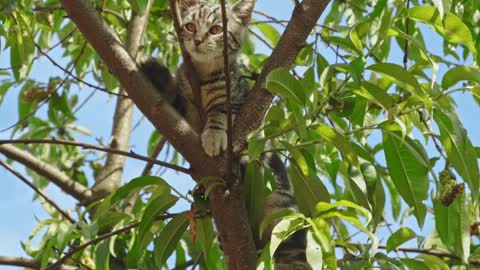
[
  {"x": 227, "y": 202},
  {"x": 54, "y": 175},
  {"x": 110, "y": 176},
  {"x": 303, "y": 20}
]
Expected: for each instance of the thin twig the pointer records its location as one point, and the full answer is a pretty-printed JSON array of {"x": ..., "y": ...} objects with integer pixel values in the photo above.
[
  {"x": 284, "y": 22},
  {"x": 146, "y": 171},
  {"x": 47, "y": 50},
  {"x": 405, "y": 53},
  {"x": 100, "y": 238},
  {"x": 28, "y": 263},
  {"x": 189, "y": 69},
  {"x": 54, "y": 92},
  {"x": 98, "y": 148},
  {"x": 261, "y": 39},
  {"x": 38, "y": 191},
  {"x": 70, "y": 73},
  {"x": 228, "y": 85},
  {"x": 102, "y": 10}
]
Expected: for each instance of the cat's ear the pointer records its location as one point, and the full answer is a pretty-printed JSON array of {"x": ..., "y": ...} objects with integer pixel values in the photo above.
[
  {"x": 243, "y": 9},
  {"x": 185, "y": 5}
]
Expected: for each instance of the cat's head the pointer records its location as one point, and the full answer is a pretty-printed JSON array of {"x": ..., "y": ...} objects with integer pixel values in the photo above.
[{"x": 202, "y": 31}]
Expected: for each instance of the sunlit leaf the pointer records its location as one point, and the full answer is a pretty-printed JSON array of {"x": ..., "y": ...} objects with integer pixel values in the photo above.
[
  {"x": 168, "y": 238},
  {"x": 407, "y": 166},
  {"x": 399, "y": 237},
  {"x": 460, "y": 151}
]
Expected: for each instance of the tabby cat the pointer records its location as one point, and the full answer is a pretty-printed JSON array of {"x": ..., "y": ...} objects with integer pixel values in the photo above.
[{"x": 202, "y": 37}]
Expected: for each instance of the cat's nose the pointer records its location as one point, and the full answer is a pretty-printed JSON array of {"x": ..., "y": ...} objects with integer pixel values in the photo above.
[{"x": 197, "y": 42}]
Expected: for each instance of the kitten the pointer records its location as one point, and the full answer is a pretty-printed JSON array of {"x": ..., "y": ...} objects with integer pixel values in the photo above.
[{"x": 202, "y": 37}]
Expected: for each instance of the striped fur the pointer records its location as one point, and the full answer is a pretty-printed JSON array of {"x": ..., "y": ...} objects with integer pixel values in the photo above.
[
  {"x": 205, "y": 47},
  {"x": 291, "y": 253},
  {"x": 206, "y": 51}
]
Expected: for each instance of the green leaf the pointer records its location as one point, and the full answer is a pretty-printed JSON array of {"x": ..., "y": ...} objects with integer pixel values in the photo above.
[
  {"x": 375, "y": 95},
  {"x": 320, "y": 230},
  {"x": 281, "y": 82},
  {"x": 102, "y": 256},
  {"x": 168, "y": 238},
  {"x": 460, "y": 151},
  {"x": 329, "y": 210},
  {"x": 443, "y": 6},
  {"x": 356, "y": 68},
  {"x": 205, "y": 233},
  {"x": 339, "y": 141},
  {"x": 452, "y": 225},
  {"x": 314, "y": 251},
  {"x": 452, "y": 27},
  {"x": 399, "y": 237},
  {"x": 309, "y": 190},
  {"x": 414, "y": 264},
  {"x": 270, "y": 33},
  {"x": 355, "y": 39},
  {"x": 255, "y": 148},
  {"x": 135, "y": 185},
  {"x": 254, "y": 187},
  {"x": 408, "y": 168},
  {"x": 400, "y": 76},
  {"x": 153, "y": 209},
  {"x": 285, "y": 228},
  {"x": 433, "y": 262},
  {"x": 5, "y": 85},
  {"x": 275, "y": 216},
  {"x": 155, "y": 138},
  {"x": 460, "y": 73}
]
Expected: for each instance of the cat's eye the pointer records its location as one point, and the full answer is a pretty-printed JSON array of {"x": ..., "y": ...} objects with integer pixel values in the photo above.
[
  {"x": 190, "y": 27},
  {"x": 215, "y": 30}
]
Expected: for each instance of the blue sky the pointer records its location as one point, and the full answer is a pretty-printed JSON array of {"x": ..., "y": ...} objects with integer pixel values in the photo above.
[{"x": 18, "y": 211}]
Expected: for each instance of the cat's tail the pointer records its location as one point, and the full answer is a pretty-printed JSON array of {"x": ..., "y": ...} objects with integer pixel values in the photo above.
[
  {"x": 282, "y": 197},
  {"x": 279, "y": 171},
  {"x": 163, "y": 81}
]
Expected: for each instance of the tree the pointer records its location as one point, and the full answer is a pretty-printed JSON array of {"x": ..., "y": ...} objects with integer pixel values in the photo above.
[{"x": 351, "y": 102}]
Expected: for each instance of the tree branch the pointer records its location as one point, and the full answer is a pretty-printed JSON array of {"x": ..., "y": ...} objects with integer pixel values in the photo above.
[
  {"x": 228, "y": 87},
  {"x": 190, "y": 72},
  {"x": 109, "y": 178},
  {"x": 38, "y": 191},
  {"x": 102, "y": 237},
  {"x": 99, "y": 148},
  {"x": 54, "y": 175},
  {"x": 27, "y": 263},
  {"x": 304, "y": 19}
]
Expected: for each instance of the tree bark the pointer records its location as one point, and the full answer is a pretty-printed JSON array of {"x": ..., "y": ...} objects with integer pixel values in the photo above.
[
  {"x": 54, "y": 175},
  {"x": 110, "y": 176},
  {"x": 304, "y": 19},
  {"x": 27, "y": 263}
]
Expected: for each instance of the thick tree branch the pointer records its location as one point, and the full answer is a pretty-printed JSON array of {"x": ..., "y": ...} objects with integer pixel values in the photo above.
[
  {"x": 109, "y": 178},
  {"x": 304, "y": 19},
  {"x": 54, "y": 175}
]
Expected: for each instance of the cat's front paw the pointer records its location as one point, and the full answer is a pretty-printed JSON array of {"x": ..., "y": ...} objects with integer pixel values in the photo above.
[{"x": 214, "y": 141}]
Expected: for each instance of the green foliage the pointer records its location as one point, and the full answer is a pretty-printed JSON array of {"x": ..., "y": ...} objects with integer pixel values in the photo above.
[{"x": 365, "y": 120}]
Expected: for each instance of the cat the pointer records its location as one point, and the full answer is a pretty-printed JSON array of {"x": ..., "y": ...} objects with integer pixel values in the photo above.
[{"x": 202, "y": 38}]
